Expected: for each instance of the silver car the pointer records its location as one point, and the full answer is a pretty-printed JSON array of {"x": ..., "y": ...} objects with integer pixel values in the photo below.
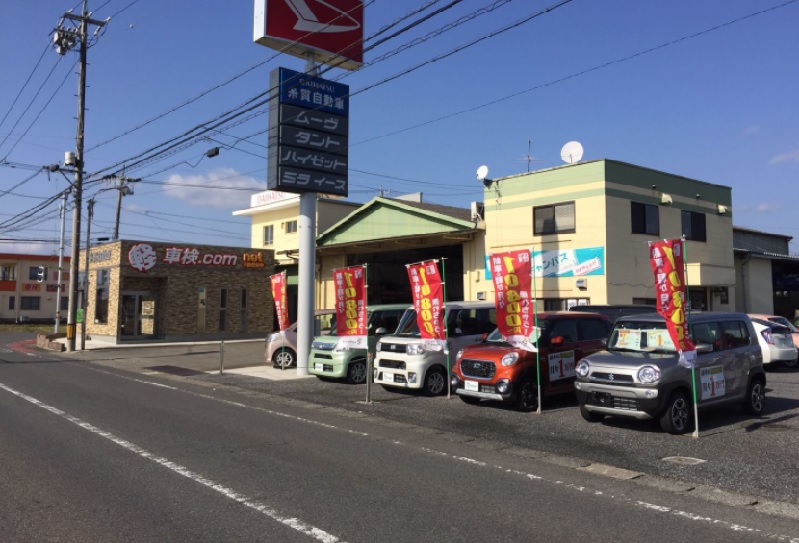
[{"x": 638, "y": 375}]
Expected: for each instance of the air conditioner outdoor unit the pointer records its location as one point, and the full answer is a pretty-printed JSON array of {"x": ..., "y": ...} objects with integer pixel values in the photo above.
[{"x": 478, "y": 211}]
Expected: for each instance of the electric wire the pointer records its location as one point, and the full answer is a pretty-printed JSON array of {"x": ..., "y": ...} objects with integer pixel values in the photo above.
[
  {"x": 24, "y": 85},
  {"x": 35, "y": 96}
]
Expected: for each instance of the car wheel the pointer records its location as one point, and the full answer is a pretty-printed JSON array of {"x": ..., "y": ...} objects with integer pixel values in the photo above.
[
  {"x": 755, "y": 397},
  {"x": 591, "y": 416},
  {"x": 677, "y": 417},
  {"x": 471, "y": 400},
  {"x": 527, "y": 396},
  {"x": 284, "y": 358},
  {"x": 791, "y": 364},
  {"x": 435, "y": 382},
  {"x": 356, "y": 372}
]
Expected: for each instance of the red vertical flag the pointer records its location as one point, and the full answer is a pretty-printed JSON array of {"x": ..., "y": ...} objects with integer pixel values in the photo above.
[
  {"x": 428, "y": 299},
  {"x": 512, "y": 275},
  {"x": 350, "y": 307},
  {"x": 668, "y": 265},
  {"x": 279, "y": 296}
]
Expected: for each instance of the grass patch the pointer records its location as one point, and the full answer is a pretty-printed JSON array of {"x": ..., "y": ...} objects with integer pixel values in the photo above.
[{"x": 28, "y": 328}]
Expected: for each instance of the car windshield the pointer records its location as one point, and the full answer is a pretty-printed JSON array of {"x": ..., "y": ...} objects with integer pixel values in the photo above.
[
  {"x": 641, "y": 336},
  {"x": 408, "y": 326},
  {"x": 543, "y": 325}
]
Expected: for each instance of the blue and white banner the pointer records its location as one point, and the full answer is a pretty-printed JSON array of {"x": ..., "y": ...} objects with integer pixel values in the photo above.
[{"x": 564, "y": 263}]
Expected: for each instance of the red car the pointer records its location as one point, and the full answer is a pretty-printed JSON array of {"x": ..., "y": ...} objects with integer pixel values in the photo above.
[{"x": 496, "y": 370}]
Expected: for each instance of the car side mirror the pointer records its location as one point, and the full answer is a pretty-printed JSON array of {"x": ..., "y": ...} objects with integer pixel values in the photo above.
[
  {"x": 381, "y": 331},
  {"x": 704, "y": 347}
]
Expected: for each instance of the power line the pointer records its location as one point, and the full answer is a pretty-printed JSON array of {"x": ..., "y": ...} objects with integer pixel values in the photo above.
[
  {"x": 36, "y": 95},
  {"x": 24, "y": 85}
]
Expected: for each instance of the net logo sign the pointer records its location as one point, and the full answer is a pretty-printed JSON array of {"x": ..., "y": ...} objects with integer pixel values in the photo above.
[{"x": 332, "y": 29}]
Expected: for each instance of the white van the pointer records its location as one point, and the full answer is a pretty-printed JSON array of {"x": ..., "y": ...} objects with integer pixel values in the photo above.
[{"x": 402, "y": 361}]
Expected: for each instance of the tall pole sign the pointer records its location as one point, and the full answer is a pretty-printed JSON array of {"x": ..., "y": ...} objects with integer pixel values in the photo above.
[
  {"x": 308, "y": 128},
  {"x": 308, "y": 137},
  {"x": 331, "y": 29}
]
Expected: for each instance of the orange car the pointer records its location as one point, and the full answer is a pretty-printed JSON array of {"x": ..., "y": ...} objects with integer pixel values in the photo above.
[{"x": 496, "y": 370}]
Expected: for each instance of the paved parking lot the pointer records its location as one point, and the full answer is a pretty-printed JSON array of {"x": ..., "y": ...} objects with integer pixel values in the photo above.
[{"x": 747, "y": 456}]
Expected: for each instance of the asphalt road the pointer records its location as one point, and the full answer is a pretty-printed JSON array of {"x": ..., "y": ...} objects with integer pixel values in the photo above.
[{"x": 119, "y": 445}]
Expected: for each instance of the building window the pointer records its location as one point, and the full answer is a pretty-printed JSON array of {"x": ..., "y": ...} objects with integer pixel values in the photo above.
[
  {"x": 64, "y": 303},
  {"x": 269, "y": 235},
  {"x": 291, "y": 227},
  {"x": 554, "y": 219},
  {"x": 222, "y": 308},
  {"x": 693, "y": 226},
  {"x": 101, "y": 297},
  {"x": 29, "y": 303},
  {"x": 12, "y": 302},
  {"x": 645, "y": 218},
  {"x": 9, "y": 273}
]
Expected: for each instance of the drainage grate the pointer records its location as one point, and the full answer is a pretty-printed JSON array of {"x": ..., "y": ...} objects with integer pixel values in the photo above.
[
  {"x": 175, "y": 370},
  {"x": 684, "y": 460}
]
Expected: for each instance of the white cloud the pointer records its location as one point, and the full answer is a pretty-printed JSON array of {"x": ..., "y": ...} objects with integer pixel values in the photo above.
[
  {"x": 767, "y": 207},
  {"x": 32, "y": 248},
  {"x": 750, "y": 131},
  {"x": 790, "y": 156},
  {"x": 223, "y": 189}
]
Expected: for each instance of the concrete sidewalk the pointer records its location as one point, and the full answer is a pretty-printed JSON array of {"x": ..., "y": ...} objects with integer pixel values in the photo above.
[{"x": 231, "y": 357}]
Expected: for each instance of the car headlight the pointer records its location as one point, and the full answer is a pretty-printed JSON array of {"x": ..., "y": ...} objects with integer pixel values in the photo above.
[
  {"x": 510, "y": 359},
  {"x": 649, "y": 375},
  {"x": 273, "y": 337},
  {"x": 459, "y": 355},
  {"x": 323, "y": 346},
  {"x": 414, "y": 348},
  {"x": 582, "y": 368},
  {"x": 379, "y": 346}
]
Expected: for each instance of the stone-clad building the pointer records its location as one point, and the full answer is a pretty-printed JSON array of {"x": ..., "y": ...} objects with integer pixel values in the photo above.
[{"x": 176, "y": 291}]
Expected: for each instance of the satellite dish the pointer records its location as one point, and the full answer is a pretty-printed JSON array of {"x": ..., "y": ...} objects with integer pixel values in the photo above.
[
  {"x": 482, "y": 172},
  {"x": 572, "y": 152}
]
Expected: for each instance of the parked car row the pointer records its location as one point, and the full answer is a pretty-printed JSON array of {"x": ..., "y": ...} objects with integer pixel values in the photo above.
[{"x": 629, "y": 368}]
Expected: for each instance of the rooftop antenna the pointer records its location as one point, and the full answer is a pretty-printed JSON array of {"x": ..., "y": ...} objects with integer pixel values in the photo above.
[
  {"x": 572, "y": 152},
  {"x": 529, "y": 156}
]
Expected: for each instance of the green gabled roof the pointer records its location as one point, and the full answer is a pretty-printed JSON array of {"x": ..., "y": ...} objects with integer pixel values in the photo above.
[{"x": 385, "y": 218}]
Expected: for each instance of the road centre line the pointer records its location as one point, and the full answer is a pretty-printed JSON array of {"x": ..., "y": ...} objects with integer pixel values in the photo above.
[
  {"x": 651, "y": 507},
  {"x": 291, "y": 522}
]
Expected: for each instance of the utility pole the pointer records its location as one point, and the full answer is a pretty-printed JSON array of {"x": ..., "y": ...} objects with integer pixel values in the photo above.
[
  {"x": 123, "y": 189},
  {"x": 84, "y": 300},
  {"x": 64, "y": 39},
  {"x": 60, "y": 264}
]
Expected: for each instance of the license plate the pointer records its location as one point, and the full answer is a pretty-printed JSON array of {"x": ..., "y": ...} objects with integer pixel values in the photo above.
[
  {"x": 471, "y": 385},
  {"x": 388, "y": 377},
  {"x": 319, "y": 367}
]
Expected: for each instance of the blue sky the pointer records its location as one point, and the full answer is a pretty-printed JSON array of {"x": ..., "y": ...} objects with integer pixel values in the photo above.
[{"x": 706, "y": 90}]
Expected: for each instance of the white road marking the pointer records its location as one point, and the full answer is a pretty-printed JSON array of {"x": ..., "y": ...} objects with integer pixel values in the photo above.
[
  {"x": 235, "y": 404},
  {"x": 649, "y": 506},
  {"x": 530, "y": 476},
  {"x": 293, "y": 523}
]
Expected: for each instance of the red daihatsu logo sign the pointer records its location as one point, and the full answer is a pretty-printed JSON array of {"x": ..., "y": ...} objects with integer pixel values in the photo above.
[{"x": 331, "y": 28}]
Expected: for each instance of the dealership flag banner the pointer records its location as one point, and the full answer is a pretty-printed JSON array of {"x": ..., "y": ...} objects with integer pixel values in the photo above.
[
  {"x": 279, "y": 296},
  {"x": 427, "y": 289},
  {"x": 668, "y": 264},
  {"x": 512, "y": 275},
  {"x": 350, "y": 308}
]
